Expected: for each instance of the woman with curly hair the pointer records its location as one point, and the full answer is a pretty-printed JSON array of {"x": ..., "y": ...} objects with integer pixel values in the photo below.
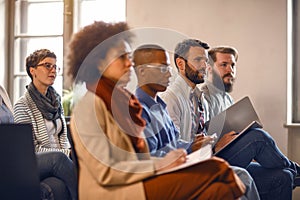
[{"x": 107, "y": 130}]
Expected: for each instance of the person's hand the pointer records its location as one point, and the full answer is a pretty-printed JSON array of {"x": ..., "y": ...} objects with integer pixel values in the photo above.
[
  {"x": 201, "y": 140},
  {"x": 172, "y": 159},
  {"x": 225, "y": 139}
]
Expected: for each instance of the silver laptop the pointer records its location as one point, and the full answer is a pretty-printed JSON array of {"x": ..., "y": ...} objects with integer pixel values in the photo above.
[
  {"x": 18, "y": 169},
  {"x": 239, "y": 117}
]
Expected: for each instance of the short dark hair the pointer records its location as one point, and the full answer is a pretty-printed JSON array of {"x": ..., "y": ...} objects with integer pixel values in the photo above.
[
  {"x": 83, "y": 48},
  {"x": 183, "y": 48},
  {"x": 222, "y": 49},
  {"x": 37, "y": 56},
  {"x": 146, "y": 48}
]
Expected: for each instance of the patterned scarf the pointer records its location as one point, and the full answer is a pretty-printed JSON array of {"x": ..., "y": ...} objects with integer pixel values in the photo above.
[
  {"x": 49, "y": 105},
  {"x": 124, "y": 107}
]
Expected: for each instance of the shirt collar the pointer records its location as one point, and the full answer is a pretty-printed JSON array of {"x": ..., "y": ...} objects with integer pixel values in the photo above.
[
  {"x": 184, "y": 86},
  {"x": 148, "y": 100}
]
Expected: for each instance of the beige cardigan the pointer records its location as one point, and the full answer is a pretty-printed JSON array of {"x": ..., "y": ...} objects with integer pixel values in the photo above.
[{"x": 108, "y": 165}]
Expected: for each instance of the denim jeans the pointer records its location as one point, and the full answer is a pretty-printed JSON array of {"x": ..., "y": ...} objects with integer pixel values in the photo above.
[
  {"x": 53, "y": 188},
  {"x": 246, "y": 178},
  {"x": 58, "y": 165},
  {"x": 272, "y": 184},
  {"x": 258, "y": 145}
]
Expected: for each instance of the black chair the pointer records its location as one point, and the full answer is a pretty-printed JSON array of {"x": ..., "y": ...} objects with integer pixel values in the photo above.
[
  {"x": 18, "y": 170},
  {"x": 73, "y": 152}
]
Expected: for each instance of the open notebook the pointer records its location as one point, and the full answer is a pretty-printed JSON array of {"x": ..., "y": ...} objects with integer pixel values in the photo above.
[
  {"x": 202, "y": 154},
  {"x": 239, "y": 117}
]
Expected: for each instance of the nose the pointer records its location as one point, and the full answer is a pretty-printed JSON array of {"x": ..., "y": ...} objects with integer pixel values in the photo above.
[
  {"x": 203, "y": 66},
  {"x": 168, "y": 74},
  {"x": 129, "y": 62},
  {"x": 54, "y": 69},
  {"x": 230, "y": 69}
]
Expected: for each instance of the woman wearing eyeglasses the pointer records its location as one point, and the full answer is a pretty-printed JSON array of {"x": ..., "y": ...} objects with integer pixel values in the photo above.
[
  {"x": 41, "y": 104},
  {"x": 56, "y": 171}
]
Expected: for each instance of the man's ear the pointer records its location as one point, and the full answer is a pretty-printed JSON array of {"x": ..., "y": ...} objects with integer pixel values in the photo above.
[
  {"x": 180, "y": 64},
  {"x": 140, "y": 71},
  {"x": 209, "y": 68}
]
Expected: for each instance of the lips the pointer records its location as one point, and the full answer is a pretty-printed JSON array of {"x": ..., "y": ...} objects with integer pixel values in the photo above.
[
  {"x": 202, "y": 71},
  {"x": 53, "y": 77},
  {"x": 228, "y": 78}
]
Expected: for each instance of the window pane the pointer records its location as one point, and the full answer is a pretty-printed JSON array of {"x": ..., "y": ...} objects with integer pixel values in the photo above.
[
  {"x": 19, "y": 87},
  {"x": 25, "y": 46},
  {"x": 102, "y": 10},
  {"x": 39, "y": 18}
]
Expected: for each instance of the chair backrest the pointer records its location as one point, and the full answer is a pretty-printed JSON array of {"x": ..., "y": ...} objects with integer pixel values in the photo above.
[
  {"x": 73, "y": 152},
  {"x": 18, "y": 169}
]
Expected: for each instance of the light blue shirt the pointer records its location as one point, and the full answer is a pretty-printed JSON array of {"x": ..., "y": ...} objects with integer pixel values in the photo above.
[
  {"x": 161, "y": 134},
  {"x": 6, "y": 115}
]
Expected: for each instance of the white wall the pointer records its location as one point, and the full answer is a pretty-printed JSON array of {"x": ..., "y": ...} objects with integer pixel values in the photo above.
[{"x": 256, "y": 28}]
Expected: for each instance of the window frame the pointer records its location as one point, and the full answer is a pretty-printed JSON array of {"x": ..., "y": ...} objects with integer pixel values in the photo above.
[
  {"x": 71, "y": 23},
  {"x": 293, "y": 62}
]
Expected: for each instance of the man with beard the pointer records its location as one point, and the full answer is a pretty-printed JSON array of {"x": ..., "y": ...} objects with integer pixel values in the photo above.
[
  {"x": 273, "y": 172},
  {"x": 183, "y": 97},
  {"x": 220, "y": 79}
]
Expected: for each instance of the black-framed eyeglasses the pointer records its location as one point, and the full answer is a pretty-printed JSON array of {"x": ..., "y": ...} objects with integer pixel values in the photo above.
[
  {"x": 49, "y": 66},
  {"x": 163, "y": 68}
]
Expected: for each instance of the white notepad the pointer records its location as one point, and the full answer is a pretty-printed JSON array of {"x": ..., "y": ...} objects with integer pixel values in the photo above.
[{"x": 202, "y": 154}]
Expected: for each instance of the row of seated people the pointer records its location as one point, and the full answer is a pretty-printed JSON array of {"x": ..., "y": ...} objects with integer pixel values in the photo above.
[
  {"x": 41, "y": 107},
  {"x": 109, "y": 125}
]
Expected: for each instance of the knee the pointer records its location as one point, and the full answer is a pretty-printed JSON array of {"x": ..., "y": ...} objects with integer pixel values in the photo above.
[
  {"x": 220, "y": 162},
  {"x": 58, "y": 156},
  {"x": 259, "y": 134},
  {"x": 284, "y": 177},
  {"x": 54, "y": 188},
  {"x": 218, "y": 191}
]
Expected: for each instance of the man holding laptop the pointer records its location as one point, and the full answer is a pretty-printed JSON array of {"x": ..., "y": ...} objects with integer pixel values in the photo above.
[
  {"x": 255, "y": 145},
  {"x": 219, "y": 83}
]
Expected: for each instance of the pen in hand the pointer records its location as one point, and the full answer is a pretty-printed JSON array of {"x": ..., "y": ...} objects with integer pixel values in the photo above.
[{"x": 170, "y": 146}]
